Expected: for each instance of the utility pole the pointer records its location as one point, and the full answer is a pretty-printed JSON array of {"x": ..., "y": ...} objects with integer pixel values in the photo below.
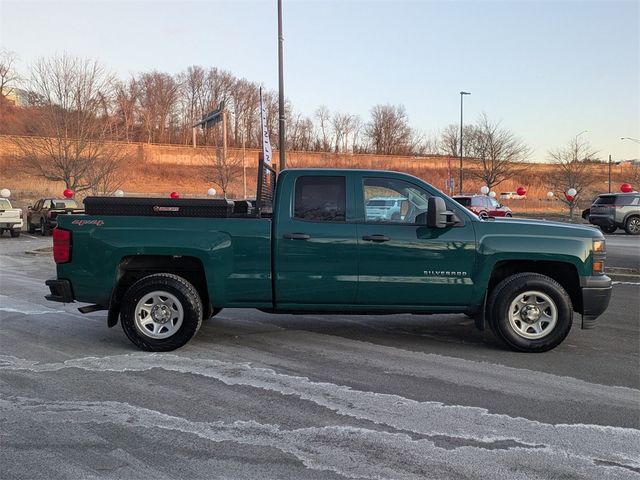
[
  {"x": 281, "y": 125},
  {"x": 462, "y": 94},
  {"x": 609, "y": 173},
  {"x": 244, "y": 164},
  {"x": 224, "y": 136}
]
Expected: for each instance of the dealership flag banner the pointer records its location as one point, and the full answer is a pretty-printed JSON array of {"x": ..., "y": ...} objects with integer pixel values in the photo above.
[{"x": 266, "y": 145}]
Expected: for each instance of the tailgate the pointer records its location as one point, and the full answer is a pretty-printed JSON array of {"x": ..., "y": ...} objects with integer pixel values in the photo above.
[{"x": 8, "y": 215}]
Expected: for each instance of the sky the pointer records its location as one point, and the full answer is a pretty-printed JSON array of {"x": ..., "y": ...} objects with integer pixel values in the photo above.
[{"x": 547, "y": 70}]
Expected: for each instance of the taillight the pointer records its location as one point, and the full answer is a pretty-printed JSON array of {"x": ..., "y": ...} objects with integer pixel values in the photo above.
[{"x": 61, "y": 245}]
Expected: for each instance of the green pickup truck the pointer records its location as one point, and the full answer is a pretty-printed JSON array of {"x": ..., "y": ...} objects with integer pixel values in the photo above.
[{"x": 161, "y": 266}]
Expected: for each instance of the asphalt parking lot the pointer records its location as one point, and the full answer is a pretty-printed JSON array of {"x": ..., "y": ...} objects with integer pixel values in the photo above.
[{"x": 302, "y": 397}]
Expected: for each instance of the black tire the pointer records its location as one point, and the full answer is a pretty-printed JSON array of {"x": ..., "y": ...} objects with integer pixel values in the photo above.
[
  {"x": 632, "y": 225},
  {"x": 43, "y": 228},
  {"x": 483, "y": 215},
  {"x": 185, "y": 298},
  {"x": 518, "y": 333},
  {"x": 508, "y": 215},
  {"x": 30, "y": 227},
  {"x": 15, "y": 233},
  {"x": 608, "y": 229}
]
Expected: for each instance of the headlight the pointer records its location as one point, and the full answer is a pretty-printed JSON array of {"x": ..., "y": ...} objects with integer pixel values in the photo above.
[{"x": 599, "y": 246}]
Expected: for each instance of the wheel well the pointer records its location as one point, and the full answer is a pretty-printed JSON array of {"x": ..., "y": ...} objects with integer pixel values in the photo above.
[
  {"x": 132, "y": 269},
  {"x": 564, "y": 273}
]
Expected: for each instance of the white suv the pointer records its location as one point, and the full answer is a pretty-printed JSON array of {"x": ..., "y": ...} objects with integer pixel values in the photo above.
[{"x": 384, "y": 209}]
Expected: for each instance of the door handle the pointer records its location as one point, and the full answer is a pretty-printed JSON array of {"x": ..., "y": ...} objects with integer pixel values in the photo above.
[
  {"x": 296, "y": 236},
  {"x": 376, "y": 238}
]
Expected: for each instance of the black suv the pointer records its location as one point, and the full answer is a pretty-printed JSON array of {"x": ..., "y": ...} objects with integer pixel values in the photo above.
[{"x": 611, "y": 211}]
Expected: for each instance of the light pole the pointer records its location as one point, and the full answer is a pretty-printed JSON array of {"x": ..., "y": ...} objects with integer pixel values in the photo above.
[
  {"x": 462, "y": 94},
  {"x": 281, "y": 125}
]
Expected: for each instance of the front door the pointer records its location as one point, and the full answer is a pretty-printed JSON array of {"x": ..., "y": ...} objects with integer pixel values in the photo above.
[
  {"x": 316, "y": 260},
  {"x": 402, "y": 263}
]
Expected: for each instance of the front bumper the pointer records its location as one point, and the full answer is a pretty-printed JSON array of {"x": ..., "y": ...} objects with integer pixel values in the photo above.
[
  {"x": 61, "y": 290},
  {"x": 596, "y": 293}
]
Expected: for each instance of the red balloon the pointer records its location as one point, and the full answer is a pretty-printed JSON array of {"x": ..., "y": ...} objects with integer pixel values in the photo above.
[
  {"x": 521, "y": 191},
  {"x": 626, "y": 188},
  {"x": 174, "y": 195},
  {"x": 68, "y": 193},
  {"x": 570, "y": 198}
]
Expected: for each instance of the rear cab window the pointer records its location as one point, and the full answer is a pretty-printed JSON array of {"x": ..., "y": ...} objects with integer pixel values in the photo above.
[{"x": 320, "y": 198}]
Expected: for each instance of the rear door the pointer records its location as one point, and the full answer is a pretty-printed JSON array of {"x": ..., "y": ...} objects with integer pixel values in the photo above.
[
  {"x": 402, "y": 263},
  {"x": 315, "y": 242}
]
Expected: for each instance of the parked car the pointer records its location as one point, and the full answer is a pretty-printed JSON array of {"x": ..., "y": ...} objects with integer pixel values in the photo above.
[
  {"x": 483, "y": 206},
  {"x": 43, "y": 216},
  {"x": 10, "y": 218},
  {"x": 611, "y": 211},
  {"x": 511, "y": 196},
  {"x": 384, "y": 209}
]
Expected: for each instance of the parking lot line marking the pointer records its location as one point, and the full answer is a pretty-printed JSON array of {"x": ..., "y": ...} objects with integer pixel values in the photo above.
[{"x": 625, "y": 283}]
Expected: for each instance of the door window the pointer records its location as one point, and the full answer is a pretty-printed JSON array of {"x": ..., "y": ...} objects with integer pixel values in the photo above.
[
  {"x": 320, "y": 199},
  {"x": 388, "y": 200}
]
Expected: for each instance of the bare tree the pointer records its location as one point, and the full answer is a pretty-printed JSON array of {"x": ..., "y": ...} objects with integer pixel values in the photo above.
[
  {"x": 224, "y": 170},
  {"x": 449, "y": 140},
  {"x": 389, "y": 131},
  {"x": 126, "y": 99},
  {"x": 343, "y": 126},
  {"x": 498, "y": 150},
  {"x": 323, "y": 117},
  {"x": 157, "y": 103},
  {"x": 8, "y": 76},
  {"x": 572, "y": 170},
  {"x": 69, "y": 94}
]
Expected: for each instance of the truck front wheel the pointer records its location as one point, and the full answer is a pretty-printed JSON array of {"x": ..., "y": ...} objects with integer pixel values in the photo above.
[
  {"x": 530, "y": 312},
  {"x": 161, "y": 312}
]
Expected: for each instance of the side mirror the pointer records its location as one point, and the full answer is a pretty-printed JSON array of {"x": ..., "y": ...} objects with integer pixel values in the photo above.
[{"x": 437, "y": 215}]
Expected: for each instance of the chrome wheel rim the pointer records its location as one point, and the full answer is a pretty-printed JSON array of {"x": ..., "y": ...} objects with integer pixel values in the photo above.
[
  {"x": 634, "y": 225},
  {"x": 533, "y": 315},
  {"x": 158, "y": 315}
]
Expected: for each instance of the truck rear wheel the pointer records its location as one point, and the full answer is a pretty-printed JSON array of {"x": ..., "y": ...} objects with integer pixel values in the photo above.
[
  {"x": 161, "y": 312},
  {"x": 530, "y": 312}
]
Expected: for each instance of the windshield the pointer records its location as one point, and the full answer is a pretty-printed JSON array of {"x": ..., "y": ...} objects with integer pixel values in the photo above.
[{"x": 4, "y": 204}]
